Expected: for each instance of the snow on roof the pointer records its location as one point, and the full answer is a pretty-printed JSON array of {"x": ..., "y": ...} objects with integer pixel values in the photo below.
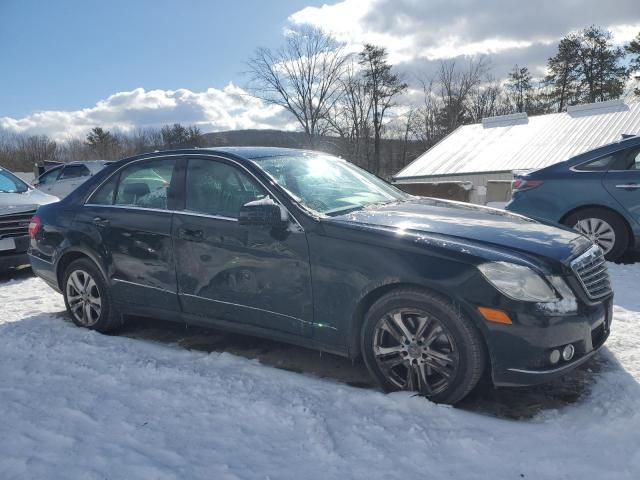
[{"x": 518, "y": 142}]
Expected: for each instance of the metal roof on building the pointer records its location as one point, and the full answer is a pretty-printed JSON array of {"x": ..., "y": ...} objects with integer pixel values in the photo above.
[{"x": 518, "y": 142}]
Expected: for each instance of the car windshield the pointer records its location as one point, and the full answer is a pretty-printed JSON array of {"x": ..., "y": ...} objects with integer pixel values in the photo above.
[
  {"x": 326, "y": 184},
  {"x": 9, "y": 183}
]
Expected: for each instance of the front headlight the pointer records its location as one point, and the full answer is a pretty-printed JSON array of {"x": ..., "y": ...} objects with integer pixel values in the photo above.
[{"x": 518, "y": 282}]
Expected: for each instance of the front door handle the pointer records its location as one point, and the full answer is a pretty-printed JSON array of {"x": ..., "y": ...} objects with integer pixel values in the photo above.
[
  {"x": 629, "y": 186},
  {"x": 191, "y": 235},
  {"x": 100, "y": 222}
]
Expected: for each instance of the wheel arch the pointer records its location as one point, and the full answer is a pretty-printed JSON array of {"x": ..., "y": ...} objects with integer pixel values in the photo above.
[
  {"x": 70, "y": 256},
  {"x": 601, "y": 207},
  {"x": 374, "y": 294}
]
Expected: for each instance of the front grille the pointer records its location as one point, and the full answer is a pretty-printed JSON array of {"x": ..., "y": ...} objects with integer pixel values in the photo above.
[
  {"x": 15, "y": 224},
  {"x": 591, "y": 270}
]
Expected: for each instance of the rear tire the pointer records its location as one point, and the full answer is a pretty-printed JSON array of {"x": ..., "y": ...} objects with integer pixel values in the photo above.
[
  {"x": 605, "y": 228},
  {"x": 418, "y": 341},
  {"x": 87, "y": 297}
]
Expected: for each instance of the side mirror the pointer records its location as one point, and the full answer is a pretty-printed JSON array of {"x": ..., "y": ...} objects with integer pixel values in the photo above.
[{"x": 263, "y": 212}]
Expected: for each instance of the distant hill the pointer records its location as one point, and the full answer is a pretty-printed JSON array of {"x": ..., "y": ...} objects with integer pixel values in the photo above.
[{"x": 394, "y": 153}]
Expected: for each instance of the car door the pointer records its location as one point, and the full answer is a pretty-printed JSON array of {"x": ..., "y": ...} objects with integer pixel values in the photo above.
[
  {"x": 622, "y": 181},
  {"x": 227, "y": 271},
  {"x": 70, "y": 177},
  {"x": 47, "y": 180},
  {"x": 128, "y": 220}
]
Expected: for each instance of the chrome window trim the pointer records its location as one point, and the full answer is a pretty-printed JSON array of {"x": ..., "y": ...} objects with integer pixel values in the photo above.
[
  {"x": 187, "y": 155},
  {"x": 130, "y": 207}
]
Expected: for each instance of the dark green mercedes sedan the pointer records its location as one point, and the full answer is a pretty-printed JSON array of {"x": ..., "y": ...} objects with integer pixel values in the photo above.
[{"x": 306, "y": 248}]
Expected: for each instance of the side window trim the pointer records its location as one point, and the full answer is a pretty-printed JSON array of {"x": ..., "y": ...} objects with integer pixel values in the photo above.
[{"x": 183, "y": 158}]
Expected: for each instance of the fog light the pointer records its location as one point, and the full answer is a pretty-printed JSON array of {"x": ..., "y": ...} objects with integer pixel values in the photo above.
[
  {"x": 568, "y": 352},
  {"x": 554, "y": 357}
]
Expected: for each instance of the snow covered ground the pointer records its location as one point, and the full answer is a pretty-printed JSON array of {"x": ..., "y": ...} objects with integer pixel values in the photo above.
[{"x": 77, "y": 404}]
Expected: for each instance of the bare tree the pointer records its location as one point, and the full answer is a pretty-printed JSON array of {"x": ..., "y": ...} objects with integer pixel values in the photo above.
[
  {"x": 37, "y": 148},
  {"x": 455, "y": 86},
  {"x": 351, "y": 115},
  {"x": 426, "y": 124},
  {"x": 303, "y": 76},
  {"x": 487, "y": 100}
]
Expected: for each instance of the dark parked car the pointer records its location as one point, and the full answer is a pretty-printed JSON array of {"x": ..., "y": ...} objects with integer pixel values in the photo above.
[
  {"x": 596, "y": 193},
  {"x": 306, "y": 248}
]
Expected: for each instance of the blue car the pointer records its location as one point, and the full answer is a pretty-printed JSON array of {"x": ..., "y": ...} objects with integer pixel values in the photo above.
[{"x": 596, "y": 193}]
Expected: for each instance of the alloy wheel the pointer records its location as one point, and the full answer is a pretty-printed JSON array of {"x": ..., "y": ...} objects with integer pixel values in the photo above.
[
  {"x": 599, "y": 231},
  {"x": 83, "y": 297},
  {"x": 415, "y": 351}
]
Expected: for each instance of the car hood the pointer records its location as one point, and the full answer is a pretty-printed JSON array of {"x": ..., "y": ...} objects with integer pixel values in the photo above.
[
  {"x": 465, "y": 221},
  {"x": 24, "y": 202}
]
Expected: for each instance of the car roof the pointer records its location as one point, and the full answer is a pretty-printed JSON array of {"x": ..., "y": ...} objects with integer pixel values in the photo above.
[
  {"x": 92, "y": 165},
  {"x": 259, "y": 152},
  {"x": 242, "y": 153},
  {"x": 603, "y": 150}
]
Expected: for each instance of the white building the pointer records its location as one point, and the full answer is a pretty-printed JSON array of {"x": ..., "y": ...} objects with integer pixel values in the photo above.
[{"x": 492, "y": 150}]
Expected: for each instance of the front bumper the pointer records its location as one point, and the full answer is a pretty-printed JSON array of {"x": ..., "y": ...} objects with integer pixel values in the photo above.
[{"x": 520, "y": 352}]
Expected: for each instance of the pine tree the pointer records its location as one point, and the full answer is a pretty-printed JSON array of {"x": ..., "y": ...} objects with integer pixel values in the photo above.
[
  {"x": 600, "y": 68},
  {"x": 633, "y": 49},
  {"x": 102, "y": 142},
  {"x": 519, "y": 84},
  {"x": 382, "y": 85},
  {"x": 563, "y": 79}
]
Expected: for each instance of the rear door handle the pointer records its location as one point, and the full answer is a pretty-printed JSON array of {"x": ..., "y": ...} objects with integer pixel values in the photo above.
[
  {"x": 191, "y": 235},
  {"x": 100, "y": 222},
  {"x": 629, "y": 186}
]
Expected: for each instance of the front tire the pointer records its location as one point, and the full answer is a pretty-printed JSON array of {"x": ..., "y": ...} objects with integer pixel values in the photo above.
[
  {"x": 605, "y": 228},
  {"x": 87, "y": 297},
  {"x": 418, "y": 341}
]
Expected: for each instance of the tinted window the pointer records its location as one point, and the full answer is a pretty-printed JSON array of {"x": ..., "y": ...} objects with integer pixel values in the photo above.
[
  {"x": 631, "y": 159},
  {"x": 50, "y": 176},
  {"x": 74, "y": 171},
  {"x": 104, "y": 195},
  {"x": 216, "y": 188},
  {"x": 145, "y": 184},
  {"x": 11, "y": 184},
  {"x": 599, "y": 165}
]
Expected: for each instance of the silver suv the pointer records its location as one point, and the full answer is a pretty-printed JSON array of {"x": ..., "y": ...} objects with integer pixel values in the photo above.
[
  {"x": 62, "y": 180},
  {"x": 18, "y": 203}
]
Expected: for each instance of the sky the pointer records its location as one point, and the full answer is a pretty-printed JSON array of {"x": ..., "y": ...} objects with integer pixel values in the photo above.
[{"x": 70, "y": 65}]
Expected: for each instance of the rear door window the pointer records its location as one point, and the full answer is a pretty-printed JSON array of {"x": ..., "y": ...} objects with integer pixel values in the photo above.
[
  {"x": 599, "y": 165},
  {"x": 145, "y": 184},
  {"x": 106, "y": 193}
]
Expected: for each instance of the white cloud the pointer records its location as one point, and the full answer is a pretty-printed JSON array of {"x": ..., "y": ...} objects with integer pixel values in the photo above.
[
  {"x": 229, "y": 108},
  {"x": 439, "y": 29}
]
